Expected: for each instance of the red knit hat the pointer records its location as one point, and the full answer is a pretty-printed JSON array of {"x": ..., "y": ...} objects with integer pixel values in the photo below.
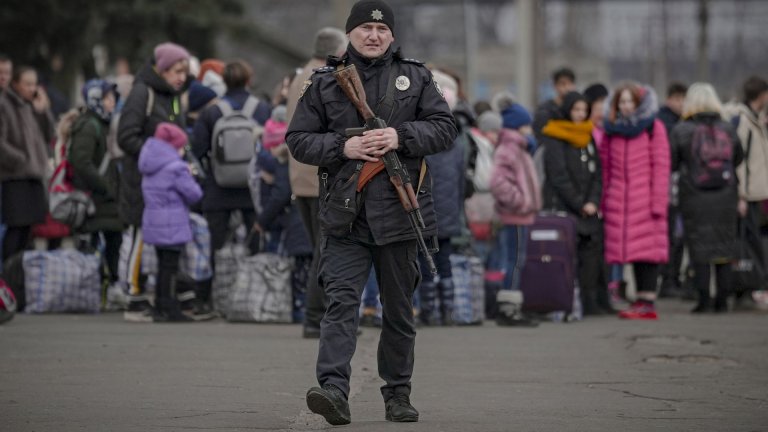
[
  {"x": 171, "y": 134},
  {"x": 215, "y": 65}
]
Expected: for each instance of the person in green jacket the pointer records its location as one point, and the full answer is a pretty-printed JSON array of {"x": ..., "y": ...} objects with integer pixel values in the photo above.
[{"x": 91, "y": 167}]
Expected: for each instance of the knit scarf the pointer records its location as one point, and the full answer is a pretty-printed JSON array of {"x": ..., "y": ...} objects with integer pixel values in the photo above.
[{"x": 579, "y": 135}]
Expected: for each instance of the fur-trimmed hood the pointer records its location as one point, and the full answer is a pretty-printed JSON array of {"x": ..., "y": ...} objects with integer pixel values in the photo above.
[
  {"x": 640, "y": 120},
  {"x": 648, "y": 108}
]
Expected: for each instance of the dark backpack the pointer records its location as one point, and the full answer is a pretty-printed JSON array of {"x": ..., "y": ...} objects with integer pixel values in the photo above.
[{"x": 712, "y": 166}]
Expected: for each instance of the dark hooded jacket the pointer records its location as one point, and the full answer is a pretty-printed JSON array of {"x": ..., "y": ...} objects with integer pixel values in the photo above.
[
  {"x": 134, "y": 129},
  {"x": 573, "y": 175},
  {"x": 88, "y": 145},
  {"x": 709, "y": 216}
]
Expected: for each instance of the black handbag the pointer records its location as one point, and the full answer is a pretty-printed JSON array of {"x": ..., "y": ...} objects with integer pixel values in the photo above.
[{"x": 748, "y": 272}]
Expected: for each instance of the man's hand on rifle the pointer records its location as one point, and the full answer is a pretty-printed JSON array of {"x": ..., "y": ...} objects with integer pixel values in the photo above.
[
  {"x": 371, "y": 145},
  {"x": 356, "y": 150},
  {"x": 381, "y": 140}
]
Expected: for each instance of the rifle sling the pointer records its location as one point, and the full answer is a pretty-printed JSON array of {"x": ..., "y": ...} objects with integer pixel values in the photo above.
[{"x": 371, "y": 169}]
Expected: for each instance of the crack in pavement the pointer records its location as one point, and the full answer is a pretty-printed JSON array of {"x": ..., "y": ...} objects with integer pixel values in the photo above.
[
  {"x": 629, "y": 393},
  {"x": 746, "y": 398}
]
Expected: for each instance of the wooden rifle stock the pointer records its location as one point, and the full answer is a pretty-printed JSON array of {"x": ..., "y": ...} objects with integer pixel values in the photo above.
[{"x": 350, "y": 84}]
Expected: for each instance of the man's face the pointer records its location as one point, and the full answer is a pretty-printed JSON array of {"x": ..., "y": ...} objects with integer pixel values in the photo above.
[
  {"x": 371, "y": 39},
  {"x": 26, "y": 86},
  {"x": 176, "y": 76},
  {"x": 763, "y": 101},
  {"x": 563, "y": 86},
  {"x": 675, "y": 103},
  {"x": 6, "y": 71}
]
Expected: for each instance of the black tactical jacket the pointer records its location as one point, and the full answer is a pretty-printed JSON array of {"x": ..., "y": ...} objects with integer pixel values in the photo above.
[{"x": 423, "y": 121}]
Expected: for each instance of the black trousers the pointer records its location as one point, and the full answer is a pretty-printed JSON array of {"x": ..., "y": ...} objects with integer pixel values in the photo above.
[
  {"x": 702, "y": 274},
  {"x": 167, "y": 270},
  {"x": 112, "y": 242},
  {"x": 646, "y": 276},
  {"x": 671, "y": 271},
  {"x": 344, "y": 269},
  {"x": 754, "y": 215},
  {"x": 16, "y": 240},
  {"x": 316, "y": 300},
  {"x": 218, "y": 226},
  {"x": 592, "y": 280}
]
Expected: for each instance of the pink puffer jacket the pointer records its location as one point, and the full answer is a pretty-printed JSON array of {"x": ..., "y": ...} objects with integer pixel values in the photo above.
[
  {"x": 514, "y": 184},
  {"x": 636, "y": 174}
]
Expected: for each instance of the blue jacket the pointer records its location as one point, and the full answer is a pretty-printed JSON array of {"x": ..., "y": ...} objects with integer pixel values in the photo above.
[
  {"x": 217, "y": 198},
  {"x": 168, "y": 189},
  {"x": 279, "y": 212},
  {"x": 447, "y": 169}
]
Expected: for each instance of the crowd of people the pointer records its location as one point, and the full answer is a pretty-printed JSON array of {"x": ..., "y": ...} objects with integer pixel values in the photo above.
[
  {"x": 183, "y": 160},
  {"x": 644, "y": 181}
]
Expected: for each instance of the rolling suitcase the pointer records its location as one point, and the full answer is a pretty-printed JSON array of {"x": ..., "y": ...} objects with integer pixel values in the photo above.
[{"x": 548, "y": 278}]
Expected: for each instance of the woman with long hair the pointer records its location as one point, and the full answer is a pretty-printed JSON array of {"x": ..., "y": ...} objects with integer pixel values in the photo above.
[{"x": 636, "y": 172}]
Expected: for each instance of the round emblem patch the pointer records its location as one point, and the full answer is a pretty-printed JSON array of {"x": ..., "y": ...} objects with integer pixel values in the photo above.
[{"x": 402, "y": 83}]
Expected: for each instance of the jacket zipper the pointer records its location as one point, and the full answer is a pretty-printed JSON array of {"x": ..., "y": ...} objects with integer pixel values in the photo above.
[{"x": 626, "y": 199}]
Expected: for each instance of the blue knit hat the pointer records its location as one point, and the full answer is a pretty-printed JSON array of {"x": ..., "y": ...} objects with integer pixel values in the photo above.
[
  {"x": 515, "y": 116},
  {"x": 93, "y": 94},
  {"x": 199, "y": 96}
]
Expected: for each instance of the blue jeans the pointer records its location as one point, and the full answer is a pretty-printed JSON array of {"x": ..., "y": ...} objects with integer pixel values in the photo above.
[
  {"x": 371, "y": 291},
  {"x": 512, "y": 244}
]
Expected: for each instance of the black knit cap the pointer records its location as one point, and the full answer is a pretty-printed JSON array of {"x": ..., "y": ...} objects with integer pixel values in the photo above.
[{"x": 370, "y": 11}]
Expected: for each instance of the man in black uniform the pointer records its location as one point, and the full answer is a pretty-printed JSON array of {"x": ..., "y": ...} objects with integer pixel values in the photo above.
[{"x": 420, "y": 123}]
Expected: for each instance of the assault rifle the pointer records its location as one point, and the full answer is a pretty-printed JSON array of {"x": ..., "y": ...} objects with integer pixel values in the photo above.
[{"x": 350, "y": 83}]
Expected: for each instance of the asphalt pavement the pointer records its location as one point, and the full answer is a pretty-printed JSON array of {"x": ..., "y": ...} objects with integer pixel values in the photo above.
[{"x": 99, "y": 373}]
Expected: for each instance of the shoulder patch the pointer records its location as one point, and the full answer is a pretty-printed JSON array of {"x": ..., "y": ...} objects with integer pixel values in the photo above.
[
  {"x": 437, "y": 86},
  {"x": 412, "y": 61},
  {"x": 304, "y": 87},
  {"x": 324, "y": 69}
]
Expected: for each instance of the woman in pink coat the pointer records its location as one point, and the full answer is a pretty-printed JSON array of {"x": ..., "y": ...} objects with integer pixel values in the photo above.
[{"x": 636, "y": 170}]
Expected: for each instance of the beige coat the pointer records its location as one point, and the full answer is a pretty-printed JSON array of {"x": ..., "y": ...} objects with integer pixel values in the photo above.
[
  {"x": 752, "y": 186},
  {"x": 23, "y": 153},
  {"x": 304, "y": 181}
]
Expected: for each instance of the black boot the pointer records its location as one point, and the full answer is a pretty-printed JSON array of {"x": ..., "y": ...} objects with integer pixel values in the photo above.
[
  {"x": 169, "y": 310},
  {"x": 167, "y": 306},
  {"x": 330, "y": 403},
  {"x": 589, "y": 304},
  {"x": 199, "y": 307},
  {"x": 704, "y": 303},
  {"x": 603, "y": 300},
  {"x": 399, "y": 409},
  {"x": 721, "y": 300}
]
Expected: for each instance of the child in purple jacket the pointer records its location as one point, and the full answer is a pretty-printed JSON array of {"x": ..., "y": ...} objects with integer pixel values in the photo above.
[{"x": 169, "y": 190}]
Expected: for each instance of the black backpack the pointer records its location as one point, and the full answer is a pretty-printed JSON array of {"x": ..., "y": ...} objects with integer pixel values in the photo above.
[{"x": 712, "y": 150}]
